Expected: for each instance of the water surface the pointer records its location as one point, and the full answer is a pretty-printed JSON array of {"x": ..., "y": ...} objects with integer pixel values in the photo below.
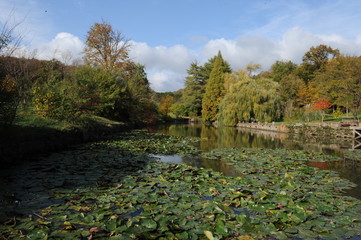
[{"x": 227, "y": 137}]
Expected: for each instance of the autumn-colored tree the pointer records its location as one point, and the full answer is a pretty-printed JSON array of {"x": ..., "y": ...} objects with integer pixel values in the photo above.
[
  {"x": 8, "y": 100},
  {"x": 314, "y": 60},
  {"x": 320, "y": 55},
  {"x": 290, "y": 86},
  {"x": 321, "y": 105},
  {"x": 307, "y": 94},
  {"x": 106, "y": 47},
  {"x": 252, "y": 67},
  {"x": 214, "y": 91},
  {"x": 166, "y": 103},
  {"x": 341, "y": 81}
]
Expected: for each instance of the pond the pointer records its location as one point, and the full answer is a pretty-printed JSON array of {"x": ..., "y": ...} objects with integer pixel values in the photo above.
[
  {"x": 228, "y": 137},
  {"x": 123, "y": 188}
]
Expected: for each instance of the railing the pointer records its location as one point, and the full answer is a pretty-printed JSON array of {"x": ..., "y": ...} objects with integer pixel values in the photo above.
[{"x": 349, "y": 123}]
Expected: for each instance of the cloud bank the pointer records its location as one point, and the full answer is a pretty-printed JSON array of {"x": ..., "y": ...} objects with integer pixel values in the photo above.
[{"x": 167, "y": 66}]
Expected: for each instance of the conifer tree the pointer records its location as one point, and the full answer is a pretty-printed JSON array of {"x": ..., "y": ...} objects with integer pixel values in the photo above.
[
  {"x": 194, "y": 90},
  {"x": 214, "y": 90}
]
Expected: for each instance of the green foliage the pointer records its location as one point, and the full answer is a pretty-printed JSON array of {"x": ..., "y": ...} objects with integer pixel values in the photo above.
[
  {"x": 337, "y": 113},
  {"x": 280, "y": 70},
  {"x": 314, "y": 60},
  {"x": 309, "y": 114},
  {"x": 341, "y": 82},
  {"x": 214, "y": 91},
  {"x": 194, "y": 90},
  {"x": 166, "y": 104},
  {"x": 195, "y": 85},
  {"x": 251, "y": 99},
  {"x": 85, "y": 90},
  {"x": 179, "y": 109},
  {"x": 139, "y": 105},
  {"x": 9, "y": 100},
  {"x": 122, "y": 96}
]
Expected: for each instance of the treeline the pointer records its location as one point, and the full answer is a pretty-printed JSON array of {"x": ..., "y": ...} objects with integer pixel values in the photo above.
[
  {"x": 326, "y": 82},
  {"x": 109, "y": 84}
]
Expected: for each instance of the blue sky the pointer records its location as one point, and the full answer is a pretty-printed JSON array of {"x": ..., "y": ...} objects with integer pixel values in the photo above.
[{"x": 167, "y": 35}]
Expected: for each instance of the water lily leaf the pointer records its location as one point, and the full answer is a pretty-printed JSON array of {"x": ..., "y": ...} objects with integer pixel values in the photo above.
[
  {"x": 209, "y": 235},
  {"x": 221, "y": 228},
  {"x": 111, "y": 224},
  {"x": 245, "y": 237},
  {"x": 149, "y": 223},
  {"x": 38, "y": 235},
  {"x": 182, "y": 235}
]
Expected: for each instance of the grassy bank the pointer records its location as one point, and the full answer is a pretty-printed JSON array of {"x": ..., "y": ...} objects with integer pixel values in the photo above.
[{"x": 31, "y": 135}]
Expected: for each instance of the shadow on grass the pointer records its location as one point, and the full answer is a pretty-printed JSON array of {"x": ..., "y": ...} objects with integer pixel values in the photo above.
[{"x": 20, "y": 143}]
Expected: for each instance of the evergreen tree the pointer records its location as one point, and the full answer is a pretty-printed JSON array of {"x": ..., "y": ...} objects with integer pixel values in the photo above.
[
  {"x": 215, "y": 90},
  {"x": 194, "y": 90}
]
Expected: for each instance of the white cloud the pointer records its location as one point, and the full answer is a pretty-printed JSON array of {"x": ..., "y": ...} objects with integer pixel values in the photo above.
[
  {"x": 64, "y": 47},
  {"x": 166, "y": 66},
  {"x": 292, "y": 46},
  {"x": 174, "y": 58},
  {"x": 163, "y": 81},
  {"x": 242, "y": 51}
]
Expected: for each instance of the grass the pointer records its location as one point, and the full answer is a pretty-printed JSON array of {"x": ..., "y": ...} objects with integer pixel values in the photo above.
[{"x": 29, "y": 118}]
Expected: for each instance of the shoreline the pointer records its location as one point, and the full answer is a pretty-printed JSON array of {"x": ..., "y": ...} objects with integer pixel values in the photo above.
[{"x": 331, "y": 130}]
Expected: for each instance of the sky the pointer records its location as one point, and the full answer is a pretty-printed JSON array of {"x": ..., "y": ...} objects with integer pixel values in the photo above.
[{"x": 166, "y": 36}]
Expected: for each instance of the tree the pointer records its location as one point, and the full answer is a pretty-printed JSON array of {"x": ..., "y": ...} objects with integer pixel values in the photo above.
[
  {"x": 166, "y": 103},
  {"x": 178, "y": 109},
  {"x": 252, "y": 67},
  {"x": 194, "y": 90},
  {"x": 195, "y": 85},
  {"x": 320, "y": 55},
  {"x": 321, "y": 105},
  {"x": 282, "y": 69},
  {"x": 10, "y": 40},
  {"x": 106, "y": 47},
  {"x": 214, "y": 91},
  {"x": 9, "y": 86},
  {"x": 341, "y": 80},
  {"x": 307, "y": 94},
  {"x": 290, "y": 86},
  {"x": 141, "y": 108},
  {"x": 230, "y": 79},
  {"x": 251, "y": 99},
  {"x": 315, "y": 59}
]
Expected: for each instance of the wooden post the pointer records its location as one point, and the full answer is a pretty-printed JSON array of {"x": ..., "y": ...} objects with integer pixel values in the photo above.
[{"x": 357, "y": 138}]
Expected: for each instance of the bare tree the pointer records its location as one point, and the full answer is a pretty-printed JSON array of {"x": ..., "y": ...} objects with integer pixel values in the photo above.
[{"x": 10, "y": 39}]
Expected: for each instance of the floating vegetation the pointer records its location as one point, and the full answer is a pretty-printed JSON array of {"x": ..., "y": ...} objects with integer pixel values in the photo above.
[
  {"x": 278, "y": 196},
  {"x": 143, "y": 142}
]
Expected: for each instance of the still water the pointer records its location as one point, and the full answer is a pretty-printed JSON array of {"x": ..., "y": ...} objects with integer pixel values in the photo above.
[{"x": 212, "y": 138}]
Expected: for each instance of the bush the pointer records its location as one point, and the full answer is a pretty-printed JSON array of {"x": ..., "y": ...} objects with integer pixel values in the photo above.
[{"x": 9, "y": 101}]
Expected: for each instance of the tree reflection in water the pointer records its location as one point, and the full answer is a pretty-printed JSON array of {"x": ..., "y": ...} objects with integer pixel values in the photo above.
[{"x": 228, "y": 137}]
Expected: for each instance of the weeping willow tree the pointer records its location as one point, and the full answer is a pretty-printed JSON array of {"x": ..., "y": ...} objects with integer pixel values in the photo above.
[{"x": 250, "y": 98}]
